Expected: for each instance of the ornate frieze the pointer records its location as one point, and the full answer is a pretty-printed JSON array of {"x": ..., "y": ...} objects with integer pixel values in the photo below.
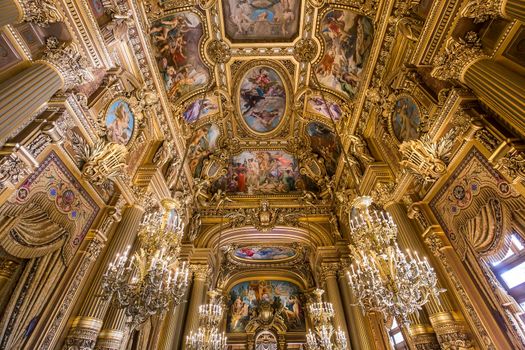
[
  {"x": 41, "y": 12},
  {"x": 512, "y": 165}
]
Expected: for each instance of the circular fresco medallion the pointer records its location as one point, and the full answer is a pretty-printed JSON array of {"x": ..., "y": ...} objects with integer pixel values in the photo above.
[
  {"x": 259, "y": 253},
  {"x": 406, "y": 119},
  {"x": 262, "y": 99},
  {"x": 120, "y": 122}
]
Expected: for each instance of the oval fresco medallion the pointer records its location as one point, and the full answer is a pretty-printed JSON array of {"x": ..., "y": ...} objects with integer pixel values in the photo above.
[
  {"x": 406, "y": 119},
  {"x": 262, "y": 99},
  {"x": 120, "y": 122},
  {"x": 259, "y": 253}
]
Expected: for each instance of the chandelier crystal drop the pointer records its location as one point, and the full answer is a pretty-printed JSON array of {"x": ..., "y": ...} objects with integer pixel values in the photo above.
[
  {"x": 324, "y": 336},
  {"x": 384, "y": 278},
  {"x": 146, "y": 283},
  {"x": 208, "y": 336}
]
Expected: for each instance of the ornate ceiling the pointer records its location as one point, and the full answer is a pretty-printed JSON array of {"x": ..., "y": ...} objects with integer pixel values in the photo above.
[{"x": 256, "y": 88}]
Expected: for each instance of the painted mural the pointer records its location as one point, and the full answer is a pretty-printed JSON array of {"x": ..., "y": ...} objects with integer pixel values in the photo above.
[
  {"x": 262, "y": 99},
  {"x": 207, "y": 106},
  {"x": 120, "y": 122},
  {"x": 176, "y": 40},
  {"x": 263, "y": 172},
  {"x": 264, "y": 253},
  {"x": 203, "y": 143},
  {"x": 325, "y": 144},
  {"x": 317, "y": 105},
  {"x": 246, "y": 299},
  {"x": 261, "y": 20},
  {"x": 406, "y": 119},
  {"x": 348, "y": 38}
]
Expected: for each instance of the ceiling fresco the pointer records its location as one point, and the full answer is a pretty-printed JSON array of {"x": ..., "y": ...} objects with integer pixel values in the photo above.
[
  {"x": 261, "y": 21},
  {"x": 262, "y": 253},
  {"x": 257, "y": 86}
]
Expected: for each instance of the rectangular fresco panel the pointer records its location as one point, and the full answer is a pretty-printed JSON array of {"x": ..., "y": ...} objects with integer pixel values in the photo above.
[
  {"x": 264, "y": 172},
  {"x": 176, "y": 40},
  {"x": 247, "y": 300},
  {"x": 261, "y": 20},
  {"x": 348, "y": 38}
]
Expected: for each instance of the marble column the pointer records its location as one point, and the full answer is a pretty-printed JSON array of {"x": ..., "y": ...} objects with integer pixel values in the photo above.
[
  {"x": 357, "y": 322},
  {"x": 198, "y": 292},
  {"x": 87, "y": 325},
  {"x": 171, "y": 335},
  {"x": 10, "y": 12},
  {"x": 23, "y": 95},
  {"x": 329, "y": 275},
  {"x": 500, "y": 88}
]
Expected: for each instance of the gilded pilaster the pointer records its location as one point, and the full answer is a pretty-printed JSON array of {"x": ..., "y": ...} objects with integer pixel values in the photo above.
[
  {"x": 10, "y": 12},
  {"x": 329, "y": 272},
  {"x": 89, "y": 322},
  {"x": 198, "y": 292}
]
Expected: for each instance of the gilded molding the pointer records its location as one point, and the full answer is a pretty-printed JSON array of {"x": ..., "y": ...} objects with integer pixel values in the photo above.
[
  {"x": 41, "y": 12},
  {"x": 483, "y": 10}
]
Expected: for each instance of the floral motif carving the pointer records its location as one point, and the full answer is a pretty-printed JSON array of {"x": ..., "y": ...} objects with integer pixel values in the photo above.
[
  {"x": 218, "y": 51},
  {"x": 513, "y": 165},
  {"x": 305, "y": 50},
  {"x": 264, "y": 218}
]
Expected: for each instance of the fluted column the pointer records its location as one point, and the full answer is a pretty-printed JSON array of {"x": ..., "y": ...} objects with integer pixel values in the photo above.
[
  {"x": 357, "y": 323},
  {"x": 329, "y": 275},
  {"x": 198, "y": 292},
  {"x": 21, "y": 96},
  {"x": 88, "y": 323},
  {"x": 500, "y": 88},
  {"x": 10, "y": 12}
]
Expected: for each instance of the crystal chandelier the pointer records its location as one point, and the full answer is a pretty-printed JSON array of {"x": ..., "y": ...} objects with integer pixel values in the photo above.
[
  {"x": 384, "y": 278},
  {"x": 208, "y": 336},
  {"x": 324, "y": 336},
  {"x": 146, "y": 283}
]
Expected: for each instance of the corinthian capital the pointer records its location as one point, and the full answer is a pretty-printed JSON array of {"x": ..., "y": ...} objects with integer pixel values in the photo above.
[
  {"x": 329, "y": 269},
  {"x": 41, "y": 12},
  {"x": 200, "y": 271},
  {"x": 66, "y": 59},
  {"x": 482, "y": 10},
  {"x": 457, "y": 57}
]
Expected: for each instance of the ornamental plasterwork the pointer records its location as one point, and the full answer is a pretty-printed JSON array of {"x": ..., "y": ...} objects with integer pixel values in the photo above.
[{"x": 482, "y": 10}]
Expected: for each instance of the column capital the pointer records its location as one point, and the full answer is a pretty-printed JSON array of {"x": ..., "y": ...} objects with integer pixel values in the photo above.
[
  {"x": 200, "y": 271},
  {"x": 451, "y": 332},
  {"x": 83, "y": 333},
  {"x": 451, "y": 63},
  {"x": 68, "y": 61},
  {"x": 41, "y": 12},
  {"x": 330, "y": 269},
  {"x": 483, "y": 10}
]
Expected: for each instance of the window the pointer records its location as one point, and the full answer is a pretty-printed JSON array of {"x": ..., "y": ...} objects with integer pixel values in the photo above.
[
  {"x": 396, "y": 337},
  {"x": 510, "y": 271}
]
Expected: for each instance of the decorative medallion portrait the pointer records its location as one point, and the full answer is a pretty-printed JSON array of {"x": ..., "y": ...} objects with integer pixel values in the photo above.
[
  {"x": 317, "y": 105},
  {"x": 325, "y": 144},
  {"x": 258, "y": 253},
  {"x": 262, "y": 99},
  {"x": 406, "y": 119},
  {"x": 200, "y": 109},
  {"x": 259, "y": 301},
  {"x": 264, "y": 172},
  {"x": 176, "y": 40},
  {"x": 261, "y": 20},
  {"x": 348, "y": 38},
  {"x": 203, "y": 144},
  {"x": 120, "y": 122}
]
